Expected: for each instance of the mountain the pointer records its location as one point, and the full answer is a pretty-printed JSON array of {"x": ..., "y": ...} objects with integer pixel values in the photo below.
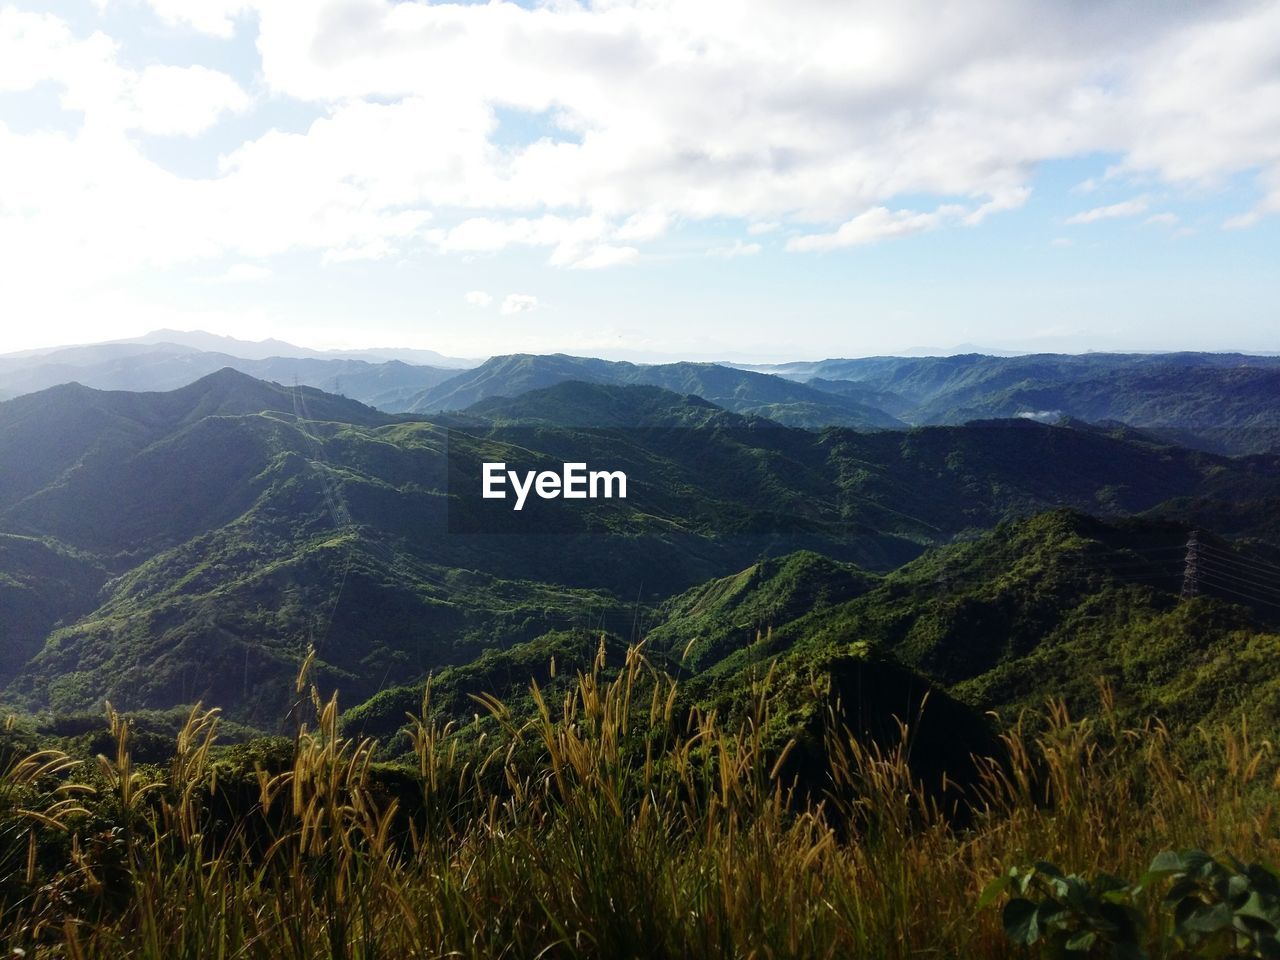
[
  {"x": 50, "y": 440},
  {"x": 925, "y": 377},
  {"x": 510, "y": 376},
  {"x": 740, "y": 391},
  {"x": 576, "y": 403},
  {"x": 209, "y": 534},
  {"x": 892, "y": 403},
  {"x": 202, "y": 342},
  {"x": 388, "y": 385},
  {"x": 267, "y": 349},
  {"x": 1228, "y": 403},
  {"x": 708, "y": 623},
  {"x": 1044, "y": 608},
  {"x": 42, "y": 584},
  {"x": 1222, "y": 403},
  {"x": 1037, "y": 609}
]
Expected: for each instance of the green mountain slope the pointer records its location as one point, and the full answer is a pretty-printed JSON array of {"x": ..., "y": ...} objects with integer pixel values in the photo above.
[
  {"x": 41, "y": 584},
  {"x": 1227, "y": 403},
  {"x": 242, "y": 521},
  {"x": 577, "y": 403},
  {"x": 1040, "y": 609},
  {"x": 705, "y": 625},
  {"x": 1043, "y": 608},
  {"x": 740, "y": 391}
]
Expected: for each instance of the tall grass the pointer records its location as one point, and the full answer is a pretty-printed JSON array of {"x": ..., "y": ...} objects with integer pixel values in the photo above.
[{"x": 607, "y": 825}]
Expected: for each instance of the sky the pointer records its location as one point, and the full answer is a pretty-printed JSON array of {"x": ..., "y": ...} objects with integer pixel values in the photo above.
[{"x": 643, "y": 178}]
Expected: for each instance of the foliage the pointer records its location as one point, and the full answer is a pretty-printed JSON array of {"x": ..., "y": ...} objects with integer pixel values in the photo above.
[
  {"x": 1215, "y": 907},
  {"x": 603, "y": 825},
  {"x": 1071, "y": 916},
  {"x": 1220, "y": 906}
]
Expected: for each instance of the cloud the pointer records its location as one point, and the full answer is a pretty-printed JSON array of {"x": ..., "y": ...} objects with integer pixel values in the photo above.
[
  {"x": 578, "y": 243},
  {"x": 1001, "y": 199},
  {"x": 1126, "y": 208},
  {"x": 1061, "y": 242},
  {"x": 1268, "y": 206},
  {"x": 245, "y": 273},
  {"x": 514, "y": 303},
  {"x": 1242, "y": 221},
  {"x": 157, "y": 99},
  {"x": 183, "y": 101},
  {"x": 821, "y": 119},
  {"x": 878, "y": 223},
  {"x": 478, "y": 298},
  {"x": 1162, "y": 219},
  {"x": 606, "y": 255},
  {"x": 643, "y": 226},
  {"x": 736, "y": 249},
  {"x": 214, "y": 17}
]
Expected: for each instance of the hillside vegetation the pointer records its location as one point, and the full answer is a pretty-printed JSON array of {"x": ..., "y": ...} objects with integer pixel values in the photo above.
[
  {"x": 1221, "y": 402},
  {"x": 976, "y": 691},
  {"x": 610, "y": 824},
  {"x": 235, "y": 523}
]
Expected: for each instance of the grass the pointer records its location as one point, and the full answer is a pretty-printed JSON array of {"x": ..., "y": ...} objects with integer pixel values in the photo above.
[{"x": 606, "y": 824}]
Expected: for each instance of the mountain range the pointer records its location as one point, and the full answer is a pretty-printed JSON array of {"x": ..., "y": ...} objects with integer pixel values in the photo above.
[
  {"x": 1223, "y": 403},
  {"x": 158, "y": 548}
]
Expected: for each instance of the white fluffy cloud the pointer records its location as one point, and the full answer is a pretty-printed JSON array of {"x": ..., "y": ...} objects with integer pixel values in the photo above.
[
  {"x": 1113, "y": 211},
  {"x": 478, "y": 298},
  {"x": 514, "y": 303},
  {"x": 245, "y": 273},
  {"x": 831, "y": 121},
  {"x": 735, "y": 249},
  {"x": 878, "y": 223},
  {"x": 164, "y": 100},
  {"x": 215, "y": 17},
  {"x": 183, "y": 101},
  {"x": 606, "y": 255}
]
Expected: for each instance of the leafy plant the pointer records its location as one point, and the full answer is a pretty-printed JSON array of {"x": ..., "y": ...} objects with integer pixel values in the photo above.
[
  {"x": 1070, "y": 915},
  {"x": 1215, "y": 907},
  {"x": 1221, "y": 907}
]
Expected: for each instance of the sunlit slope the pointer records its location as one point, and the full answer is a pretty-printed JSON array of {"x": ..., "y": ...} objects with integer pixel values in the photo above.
[
  {"x": 226, "y": 526},
  {"x": 1041, "y": 608},
  {"x": 741, "y": 391}
]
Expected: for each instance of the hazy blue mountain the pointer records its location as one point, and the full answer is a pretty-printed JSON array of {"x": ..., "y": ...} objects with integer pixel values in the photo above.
[
  {"x": 740, "y": 391},
  {"x": 510, "y": 376},
  {"x": 266, "y": 349},
  {"x": 1226, "y": 403},
  {"x": 575, "y": 403},
  {"x": 1229, "y": 403},
  {"x": 388, "y": 385}
]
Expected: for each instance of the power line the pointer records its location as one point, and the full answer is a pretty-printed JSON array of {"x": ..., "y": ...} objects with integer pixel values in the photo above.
[
  {"x": 1219, "y": 586},
  {"x": 1244, "y": 557}
]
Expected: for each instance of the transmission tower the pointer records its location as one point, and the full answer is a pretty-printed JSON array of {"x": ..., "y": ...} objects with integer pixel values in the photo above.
[{"x": 1191, "y": 574}]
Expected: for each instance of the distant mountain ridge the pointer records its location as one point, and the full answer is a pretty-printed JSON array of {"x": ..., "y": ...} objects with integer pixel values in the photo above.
[
  {"x": 266, "y": 349},
  {"x": 740, "y": 391},
  {"x": 1223, "y": 403},
  {"x": 168, "y": 547},
  {"x": 388, "y": 385},
  {"x": 1229, "y": 402}
]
